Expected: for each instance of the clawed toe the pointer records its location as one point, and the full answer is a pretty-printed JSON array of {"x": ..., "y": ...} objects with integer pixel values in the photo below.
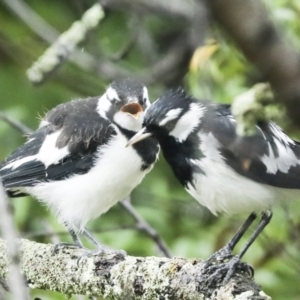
[
  {"x": 222, "y": 272},
  {"x": 220, "y": 256}
]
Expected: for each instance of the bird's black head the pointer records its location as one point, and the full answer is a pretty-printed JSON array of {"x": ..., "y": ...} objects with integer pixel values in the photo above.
[
  {"x": 175, "y": 114},
  {"x": 124, "y": 103}
]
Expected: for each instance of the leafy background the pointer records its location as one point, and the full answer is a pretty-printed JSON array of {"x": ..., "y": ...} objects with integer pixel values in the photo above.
[{"x": 216, "y": 70}]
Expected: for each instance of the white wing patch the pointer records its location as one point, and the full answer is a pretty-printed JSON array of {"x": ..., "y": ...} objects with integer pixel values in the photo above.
[
  {"x": 286, "y": 157},
  {"x": 188, "y": 122},
  {"x": 16, "y": 163},
  {"x": 285, "y": 160},
  {"x": 171, "y": 115},
  {"x": 281, "y": 135},
  {"x": 48, "y": 154}
]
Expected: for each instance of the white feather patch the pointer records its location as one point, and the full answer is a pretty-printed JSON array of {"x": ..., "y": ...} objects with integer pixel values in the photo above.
[
  {"x": 44, "y": 123},
  {"x": 171, "y": 115},
  {"x": 16, "y": 163},
  {"x": 49, "y": 154},
  {"x": 146, "y": 97},
  {"x": 188, "y": 122},
  {"x": 127, "y": 121},
  {"x": 285, "y": 160},
  {"x": 111, "y": 94},
  {"x": 280, "y": 134},
  {"x": 103, "y": 106}
]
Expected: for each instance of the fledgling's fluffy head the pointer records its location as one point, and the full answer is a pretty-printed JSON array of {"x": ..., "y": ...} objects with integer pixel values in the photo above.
[{"x": 124, "y": 103}]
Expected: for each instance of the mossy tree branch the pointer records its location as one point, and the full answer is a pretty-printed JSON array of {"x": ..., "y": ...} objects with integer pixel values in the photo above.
[{"x": 114, "y": 277}]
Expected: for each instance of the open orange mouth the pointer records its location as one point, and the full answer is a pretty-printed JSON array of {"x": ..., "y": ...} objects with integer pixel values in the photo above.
[{"x": 132, "y": 108}]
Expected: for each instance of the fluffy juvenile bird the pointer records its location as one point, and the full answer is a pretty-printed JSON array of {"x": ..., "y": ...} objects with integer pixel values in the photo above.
[
  {"x": 76, "y": 161},
  {"x": 224, "y": 171}
]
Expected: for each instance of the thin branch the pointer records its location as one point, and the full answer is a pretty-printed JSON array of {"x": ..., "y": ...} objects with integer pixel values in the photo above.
[
  {"x": 32, "y": 20},
  {"x": 49, "y": 34},
  {"x": 110, "y": 276},
  {"x": 65, "y": 45},
  {"x": 142, "y": 225},
  {"x": 15, "y": 123},
  {"x": 15, "y": 279}
]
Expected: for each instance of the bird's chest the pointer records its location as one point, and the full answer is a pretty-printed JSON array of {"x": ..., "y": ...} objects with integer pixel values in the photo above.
[
  {"x": 118, "y": 168},
  {"x": 116, "y": 172}
]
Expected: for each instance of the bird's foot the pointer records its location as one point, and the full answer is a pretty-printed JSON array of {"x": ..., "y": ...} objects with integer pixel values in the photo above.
[
  {"x": 62, "y": 245},
  {"x": 221, "y": 273},
  {"x": 220, "y": 256},
  {"x": 120, "y": 254}
]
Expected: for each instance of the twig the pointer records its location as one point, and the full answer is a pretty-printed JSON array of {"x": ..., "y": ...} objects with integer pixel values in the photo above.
[
  {"x": 66, "y": 44},
  {"x": 15, "y": 123},
  {"x": 142, "y": 225},
  {"x": 32, "y": 19},
  {"x": 15, "y": 279},
  {"x": 47, "y": 32}
]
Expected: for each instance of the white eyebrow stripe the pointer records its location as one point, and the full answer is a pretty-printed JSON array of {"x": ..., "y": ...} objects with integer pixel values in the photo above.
[
  {"x": 188, "y": 122},
  {"x": 171, "y": 115},
  {"x": 146, "y": 96},
  {"x": 112, "y": 94}
]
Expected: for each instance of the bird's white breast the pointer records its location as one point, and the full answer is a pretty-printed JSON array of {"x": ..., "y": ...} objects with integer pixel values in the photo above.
[
  {"x": 221, "y": 189},
  {"x": 117, "y": 171}
]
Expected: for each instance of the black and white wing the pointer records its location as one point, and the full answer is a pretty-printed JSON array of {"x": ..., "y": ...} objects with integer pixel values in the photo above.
[
  {"x": 269, "y": 156},
  {"x": 64, "y": 145}
]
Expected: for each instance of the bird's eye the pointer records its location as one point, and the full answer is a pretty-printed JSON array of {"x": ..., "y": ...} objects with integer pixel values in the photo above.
[
  {"x": 114, "y": 101},
  {"x": 170, "y": 125}
]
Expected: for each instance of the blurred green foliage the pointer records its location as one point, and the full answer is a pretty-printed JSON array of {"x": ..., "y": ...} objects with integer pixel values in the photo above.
[{"x": 188, "y": 228}]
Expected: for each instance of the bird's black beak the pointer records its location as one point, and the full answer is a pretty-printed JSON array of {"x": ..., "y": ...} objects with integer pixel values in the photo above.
[
  {"x": 133, "y": 109},
  {"x": 139, "y": 136}
]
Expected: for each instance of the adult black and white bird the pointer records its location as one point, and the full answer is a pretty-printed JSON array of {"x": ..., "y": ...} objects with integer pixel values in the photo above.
[
  {"x": 224, "y": 171},
  {"x": 76, "y": 162}
]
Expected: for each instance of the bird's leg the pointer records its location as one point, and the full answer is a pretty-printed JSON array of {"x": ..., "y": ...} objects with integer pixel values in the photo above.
[
  {"x": 234, "y": 263},
  {"x": 77, "y": 242},
  {"x": 99, "y": 248},
  {"x": 264, "y": 221},
  {"x": 90, "y": 237},
  {"x": 226, "y": 251}
]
